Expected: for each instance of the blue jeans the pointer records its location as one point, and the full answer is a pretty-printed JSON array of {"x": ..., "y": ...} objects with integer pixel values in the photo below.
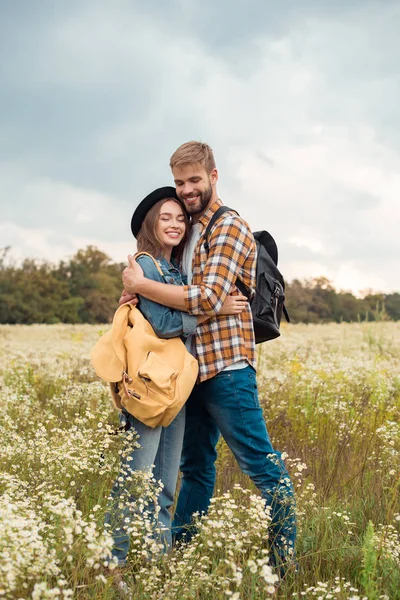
[
  {"x": 228, "y": 404},
  {"x": 162, "y": 448}
]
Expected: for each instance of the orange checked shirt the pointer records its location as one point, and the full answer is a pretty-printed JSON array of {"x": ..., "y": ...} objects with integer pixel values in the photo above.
[{"x": 223, "y": 339}]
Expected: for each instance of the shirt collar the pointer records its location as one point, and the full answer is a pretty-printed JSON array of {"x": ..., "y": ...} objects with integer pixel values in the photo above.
[{"x": 206, "y": 218}]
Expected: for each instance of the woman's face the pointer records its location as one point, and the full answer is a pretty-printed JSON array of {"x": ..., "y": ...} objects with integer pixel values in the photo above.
[{"x": 171, "y": 226}]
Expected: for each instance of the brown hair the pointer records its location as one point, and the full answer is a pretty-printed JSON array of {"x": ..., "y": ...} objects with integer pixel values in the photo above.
[
  {"x": 193, "y": 153},
  {"x": 147, "y": 239}
]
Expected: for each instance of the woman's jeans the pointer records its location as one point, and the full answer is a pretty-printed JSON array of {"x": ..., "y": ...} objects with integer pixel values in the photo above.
[
  {"x": 228, "y": 404},
  {"x": 160, "y": 447}
]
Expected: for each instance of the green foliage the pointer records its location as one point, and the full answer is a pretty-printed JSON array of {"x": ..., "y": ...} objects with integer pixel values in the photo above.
[
  {"x": 316, "y": 301},
  {"x": 86, "y": 289},
  {"x": 83, "y": 290},
  {"x": 368, "y": 574}
]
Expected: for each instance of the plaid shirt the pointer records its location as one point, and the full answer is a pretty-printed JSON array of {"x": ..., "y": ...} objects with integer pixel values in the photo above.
[{"x": 222, "y": 340}]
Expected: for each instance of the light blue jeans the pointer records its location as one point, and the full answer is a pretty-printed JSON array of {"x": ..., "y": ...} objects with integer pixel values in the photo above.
[
  {"x": 160, "y": 447},
  {"x": 228, "y": 404}
]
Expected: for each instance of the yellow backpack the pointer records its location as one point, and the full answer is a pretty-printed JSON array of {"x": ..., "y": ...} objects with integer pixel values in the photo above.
[{"x": 150, "y": 377}]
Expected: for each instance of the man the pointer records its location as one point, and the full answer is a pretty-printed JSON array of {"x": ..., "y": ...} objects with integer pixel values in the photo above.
[{"x": 225, "y": 399}]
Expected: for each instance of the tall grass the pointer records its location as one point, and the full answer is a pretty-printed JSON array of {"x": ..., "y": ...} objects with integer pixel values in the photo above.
[{"x": 331, "y": 396}]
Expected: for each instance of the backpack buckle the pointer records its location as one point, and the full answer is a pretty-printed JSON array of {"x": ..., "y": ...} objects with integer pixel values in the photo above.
[{"x": 126, "y": 379}]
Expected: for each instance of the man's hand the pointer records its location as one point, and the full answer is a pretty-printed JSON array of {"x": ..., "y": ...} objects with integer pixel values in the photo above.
[
  {"x": 132, "y": 276},
  {"x": 127, "y": 297}
]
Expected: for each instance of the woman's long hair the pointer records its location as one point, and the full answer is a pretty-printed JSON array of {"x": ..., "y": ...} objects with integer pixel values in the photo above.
[{"x": 147, "y": 238}]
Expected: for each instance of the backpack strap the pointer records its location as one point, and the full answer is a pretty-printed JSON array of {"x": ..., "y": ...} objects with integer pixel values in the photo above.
[
  {"x": 152, "y": 258},
  {"x": 285, "y": 312},
  {"x": 221, "y": 210}
]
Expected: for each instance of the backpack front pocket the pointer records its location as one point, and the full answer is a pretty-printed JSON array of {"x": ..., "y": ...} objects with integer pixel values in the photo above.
[{"x": 158, "y": 377}]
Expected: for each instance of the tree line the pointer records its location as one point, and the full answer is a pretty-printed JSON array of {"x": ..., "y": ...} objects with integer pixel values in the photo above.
[{"x": 86, "y": 289}]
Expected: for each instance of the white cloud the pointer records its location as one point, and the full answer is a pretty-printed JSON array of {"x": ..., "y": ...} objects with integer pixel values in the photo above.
[
  {"x": 40, "y": 243},
  {"x": 62, "y": 208},
  {"x": 347, "y": 276},
  {"x": 312, "y": 244}
]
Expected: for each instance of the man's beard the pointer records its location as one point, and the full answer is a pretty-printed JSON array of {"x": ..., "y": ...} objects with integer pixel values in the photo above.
[{"x": 204, "y": 199}]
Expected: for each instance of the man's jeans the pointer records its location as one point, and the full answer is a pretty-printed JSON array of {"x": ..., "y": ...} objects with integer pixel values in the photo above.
[
  {"x": 228, "y": 403},
  {"x": 162, "y": 448}
]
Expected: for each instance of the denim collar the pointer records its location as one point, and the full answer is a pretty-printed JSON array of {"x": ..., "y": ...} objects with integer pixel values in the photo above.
[{"x": 169, "y": 266}]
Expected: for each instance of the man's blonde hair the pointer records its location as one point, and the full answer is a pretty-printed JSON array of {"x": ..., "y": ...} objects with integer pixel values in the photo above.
[{"x": 193, "y": 153}]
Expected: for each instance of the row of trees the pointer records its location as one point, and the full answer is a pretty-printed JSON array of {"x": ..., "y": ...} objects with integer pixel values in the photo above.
[
  {"x": 86, "y": 288},
  {"x": 317, "y": 301}
]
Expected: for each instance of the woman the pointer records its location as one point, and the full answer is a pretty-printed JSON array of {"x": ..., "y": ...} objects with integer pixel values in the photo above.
[{"x": 160, "y": 225}]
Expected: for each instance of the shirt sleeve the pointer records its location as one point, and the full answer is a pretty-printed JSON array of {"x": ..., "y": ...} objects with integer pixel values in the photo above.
[
  {"x": 166, "y": 322},
  {"x": 231, "y": 245}
]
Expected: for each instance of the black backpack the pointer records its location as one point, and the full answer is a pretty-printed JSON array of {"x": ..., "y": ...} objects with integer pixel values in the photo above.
[{"x": 268, "y": 302}]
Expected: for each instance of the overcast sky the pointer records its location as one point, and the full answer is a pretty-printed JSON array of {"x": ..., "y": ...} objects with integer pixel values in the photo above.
[{"x": 299, "y": 99}]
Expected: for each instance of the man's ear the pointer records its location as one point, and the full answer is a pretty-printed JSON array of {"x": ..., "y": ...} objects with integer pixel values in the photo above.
[{"x": 214, "y": 176}]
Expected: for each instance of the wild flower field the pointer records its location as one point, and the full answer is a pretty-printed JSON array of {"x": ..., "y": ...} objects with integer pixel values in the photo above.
[{"x": 331, "y": 395}]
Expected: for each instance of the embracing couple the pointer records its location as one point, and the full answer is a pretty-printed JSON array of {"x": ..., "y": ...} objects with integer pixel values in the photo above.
[{"x": 205, "y": 308}]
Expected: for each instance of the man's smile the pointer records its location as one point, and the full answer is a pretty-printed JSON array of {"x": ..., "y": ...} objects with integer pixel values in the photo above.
[{"x": 191, "y": 199}]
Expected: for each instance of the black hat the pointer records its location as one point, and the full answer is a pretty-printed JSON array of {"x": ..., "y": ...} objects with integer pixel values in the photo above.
[{"x": 143, "y": 208}]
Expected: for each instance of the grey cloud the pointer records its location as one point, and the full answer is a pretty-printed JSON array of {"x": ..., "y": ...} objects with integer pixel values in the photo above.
[
  {"x": 266, "y": 159},
  {"x": 353, "y": 199},
  {"x": 97, "y": 96}
]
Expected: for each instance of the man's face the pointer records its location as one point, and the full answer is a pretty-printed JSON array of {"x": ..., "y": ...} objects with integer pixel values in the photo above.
[{"x": 194, "y": 186}]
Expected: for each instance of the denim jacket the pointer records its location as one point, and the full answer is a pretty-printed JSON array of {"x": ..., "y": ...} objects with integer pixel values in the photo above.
[{"x": 166, "y": 322}]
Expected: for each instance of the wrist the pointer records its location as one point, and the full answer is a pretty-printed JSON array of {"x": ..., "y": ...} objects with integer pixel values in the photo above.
[{"x": 137, "y": 288}]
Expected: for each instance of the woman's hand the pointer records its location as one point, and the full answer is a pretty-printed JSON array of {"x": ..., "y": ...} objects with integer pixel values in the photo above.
[
  {"x": 127, "y": 297},
  {"x": 233, "y": 305}
]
